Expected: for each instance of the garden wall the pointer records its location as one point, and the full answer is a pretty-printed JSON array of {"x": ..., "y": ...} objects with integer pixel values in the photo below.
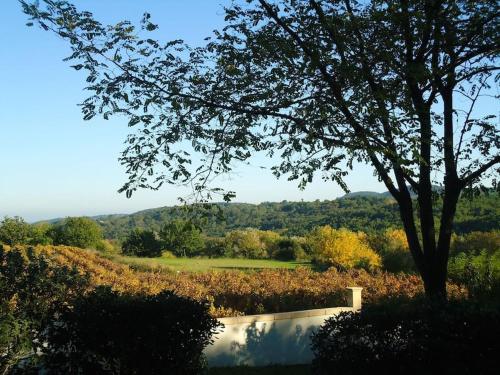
[{"x": 283, "y": 338}]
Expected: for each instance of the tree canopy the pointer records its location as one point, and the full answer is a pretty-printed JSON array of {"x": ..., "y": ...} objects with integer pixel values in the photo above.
[
  {"x": 318, "y": 84},
  {"x": 78, "y": 231}
]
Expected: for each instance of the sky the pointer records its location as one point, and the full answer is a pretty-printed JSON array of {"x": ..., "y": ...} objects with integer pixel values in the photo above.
[{"x": 54, "y": 164}]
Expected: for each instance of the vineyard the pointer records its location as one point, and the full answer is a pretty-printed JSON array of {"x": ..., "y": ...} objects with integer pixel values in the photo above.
[{"x": 232, "y": 293}]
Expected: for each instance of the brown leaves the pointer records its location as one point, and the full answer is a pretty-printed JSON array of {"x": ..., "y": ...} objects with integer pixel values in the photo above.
[{"x": 233, "y": 293}]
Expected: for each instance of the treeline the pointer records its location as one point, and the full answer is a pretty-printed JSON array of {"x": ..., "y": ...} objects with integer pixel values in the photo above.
[
  {"x": 324, "y": 245},
  {"x": 73, "y": 231},
  {"x": 368, "y": 214}
]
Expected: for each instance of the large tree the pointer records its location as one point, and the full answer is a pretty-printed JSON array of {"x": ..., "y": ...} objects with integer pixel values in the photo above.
[{"x": 317, "y": 85}]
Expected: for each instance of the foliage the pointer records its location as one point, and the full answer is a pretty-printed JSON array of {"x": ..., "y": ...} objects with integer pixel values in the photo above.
[
  {"x": 108, "y": 246},
  {"x": 142, "y": 243},
  {"x": 183, "y": 238},
  {"x": 106, "y": 332},
  {"x": 165, "y": 254},
  {"x": 477, "y": 241},
  {"x": 289, "y": 249},
  {"x": 367, "y": 214},
  {"x": 78, "y": 231},
  {"x": 235, "y": 292},
  {"x": 479, "y": 273},
  {"x": 14, "y": 231},
  {"x": 324, "y": 84},
  {"x": 41, "y": 234},
  {"x": 396, "y": 337},
  {"x": 250, "y": 243},
  {"x": 342, "y": 248},
  {"x": 215, "y": 247},
  {"x": 32, "y": 288},
  {"x": 392, "y": 246}
]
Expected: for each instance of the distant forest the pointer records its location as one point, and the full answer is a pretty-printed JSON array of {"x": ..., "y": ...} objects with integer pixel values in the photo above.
[{"x": 360, "y": 213}]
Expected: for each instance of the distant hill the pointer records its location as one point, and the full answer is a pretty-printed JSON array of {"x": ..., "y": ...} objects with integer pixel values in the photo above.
[
  {"x": 385, "y": 194},
  {"x": 361, "y": 211},
  {"x": 362, "y": 194}
]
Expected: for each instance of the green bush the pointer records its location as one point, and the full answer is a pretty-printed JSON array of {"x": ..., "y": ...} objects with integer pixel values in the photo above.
[
  {"x": 183, "y": 238},
  {"x": 108, "y": 246},
  {"x": 79, "y": 232},
  {"x": 165, "y": 254},
  {"x": 142, "y": 243},
  {"x": 479, "y": 273},
  {"x": 251, "y": 243},
  {"x": 289, "y": 249},
  {"x": 14, "y": 231},
  {"x": 110, "y": 333},
  {"x": 215, "y": 247},
  {"x": 475, "y": 242},
  {"x": 413, "y": 338},
  {"x": 32, "y": 291}
]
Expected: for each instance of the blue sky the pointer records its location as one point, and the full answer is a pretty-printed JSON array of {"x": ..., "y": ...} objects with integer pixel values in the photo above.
[{"x": 54, "y": 164}]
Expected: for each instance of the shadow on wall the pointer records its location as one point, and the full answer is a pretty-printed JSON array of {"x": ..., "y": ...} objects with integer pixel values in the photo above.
[
  {"x": 267, "y": 339},
  {"x": 263, "y": 343}
]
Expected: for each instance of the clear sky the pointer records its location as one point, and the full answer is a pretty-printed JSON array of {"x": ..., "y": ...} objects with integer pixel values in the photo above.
[{"x": 54, "y": 164}]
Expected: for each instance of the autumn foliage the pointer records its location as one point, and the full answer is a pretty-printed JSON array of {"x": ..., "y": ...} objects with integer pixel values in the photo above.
[
  {"x": 235, "y": 293},
  {"x": 342, "y": 248}
]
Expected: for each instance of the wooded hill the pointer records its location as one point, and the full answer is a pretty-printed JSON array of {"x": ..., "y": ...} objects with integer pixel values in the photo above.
[{"x": 362, "y": 212}]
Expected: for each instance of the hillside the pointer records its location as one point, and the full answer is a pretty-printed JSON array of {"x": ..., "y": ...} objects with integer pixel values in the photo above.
[{"x": 366, "y": 213}]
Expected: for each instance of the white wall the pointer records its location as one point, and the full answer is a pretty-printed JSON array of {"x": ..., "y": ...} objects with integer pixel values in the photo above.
[{"x": 284, "y": 338}]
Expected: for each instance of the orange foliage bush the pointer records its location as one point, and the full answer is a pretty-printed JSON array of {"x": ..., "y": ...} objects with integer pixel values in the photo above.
[{"x": 234, "y": 293}]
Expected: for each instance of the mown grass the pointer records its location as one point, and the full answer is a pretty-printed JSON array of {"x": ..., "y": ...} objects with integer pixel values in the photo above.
[{"x": 206, "y": 264}]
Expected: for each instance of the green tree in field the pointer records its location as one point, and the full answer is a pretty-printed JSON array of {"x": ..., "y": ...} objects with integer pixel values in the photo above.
[
  {"x": 78, "y": 231},
  {"x": 142, "y": 243},
  {"x": 182, "y": 237},
  {"x": 41, "y": 234},
  {"x": 15, "y": 231},
  {"x": 317, "y": 85}
]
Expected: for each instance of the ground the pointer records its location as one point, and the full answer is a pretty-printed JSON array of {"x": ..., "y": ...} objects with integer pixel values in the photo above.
[{"x": 205, "y": 264}]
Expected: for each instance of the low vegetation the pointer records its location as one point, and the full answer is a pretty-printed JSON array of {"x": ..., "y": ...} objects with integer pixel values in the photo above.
[
  {"x": 235, "y": 292},
  {"x": 405, "y": 336},
  {"x": 52, "y": 308}
]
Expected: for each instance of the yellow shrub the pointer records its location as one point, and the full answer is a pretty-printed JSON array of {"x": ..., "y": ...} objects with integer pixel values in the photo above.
[
  {"x": 342, "y": 248},
  {"x": 396, "y": 239}
]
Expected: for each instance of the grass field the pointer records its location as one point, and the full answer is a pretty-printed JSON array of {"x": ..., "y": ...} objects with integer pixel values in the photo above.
[{"x": 205, "y": 264}]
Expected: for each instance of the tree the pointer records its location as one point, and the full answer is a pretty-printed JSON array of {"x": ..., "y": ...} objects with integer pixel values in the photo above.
[
  {"x": 15, "y": 231},
  {"x": 142, "y": 243},
  {"x": 323, "y": 84},
  {"x": 182, "y": 237},
  {"x": 78, "y": 231},
  {"x": 342, "y": 248}
]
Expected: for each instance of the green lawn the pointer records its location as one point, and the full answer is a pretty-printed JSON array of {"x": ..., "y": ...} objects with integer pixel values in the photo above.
[{"x": 205, "y": 264}]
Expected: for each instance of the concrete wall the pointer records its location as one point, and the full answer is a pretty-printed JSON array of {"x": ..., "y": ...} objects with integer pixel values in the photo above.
[{"x": 283, "y": 338}]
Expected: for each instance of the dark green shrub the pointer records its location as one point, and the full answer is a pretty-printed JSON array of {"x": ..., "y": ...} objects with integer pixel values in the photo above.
[
  {"x": 475, "y": 242},
  {"x": 110, "y": 333},
  {"x": 413, "y": 338},
  {"x": 215, "y": 247},
  {"x": 288, "y": 249},
  {"x": 142, "y": 243},
  {"x": 32, "y": 290},
  {"x": 77, "y": 231},
  {"x": 182, "y": 238},
  {"x": 478, "y": 273}
]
